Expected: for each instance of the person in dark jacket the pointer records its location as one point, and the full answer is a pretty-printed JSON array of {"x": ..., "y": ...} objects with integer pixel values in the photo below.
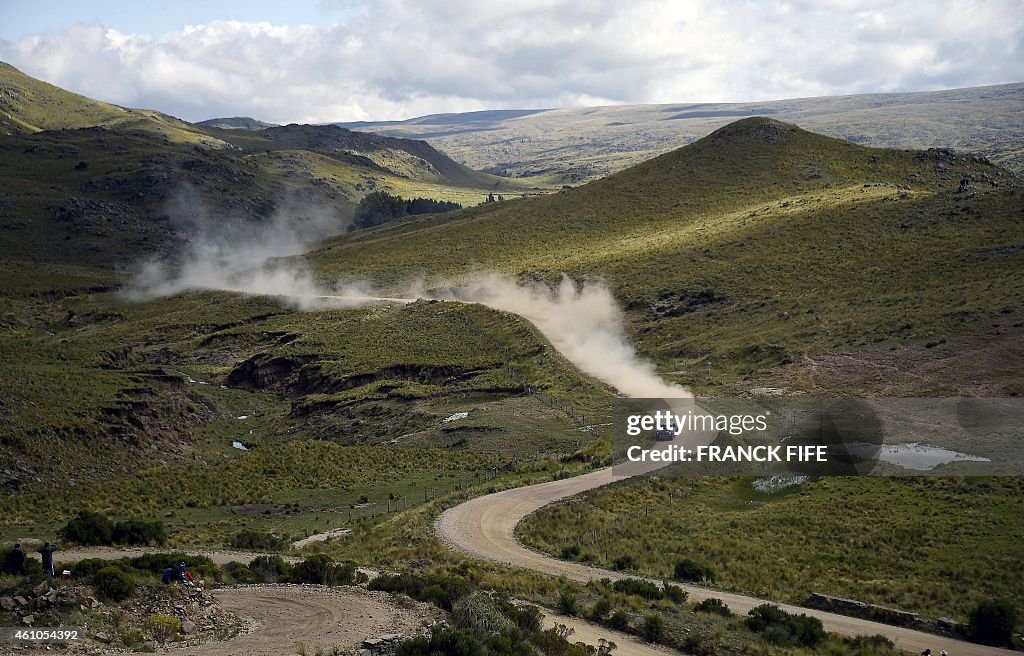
[
  {"x": 16, "y": 561},
  {"x": 46, "y": 551}
]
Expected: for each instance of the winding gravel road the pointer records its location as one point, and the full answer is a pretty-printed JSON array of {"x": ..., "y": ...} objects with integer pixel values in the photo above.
[{"x": 485, "y": 527}]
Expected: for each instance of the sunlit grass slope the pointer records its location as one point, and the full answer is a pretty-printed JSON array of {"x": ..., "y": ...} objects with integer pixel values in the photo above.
[{"x": 751, "y": 247}]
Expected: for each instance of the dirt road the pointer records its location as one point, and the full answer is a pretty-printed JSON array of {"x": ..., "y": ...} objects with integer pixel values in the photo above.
[
  {"x": 592, "y": 634},
  {"x": 283, "y": 617},
  {"x": 484, "y": 527}
]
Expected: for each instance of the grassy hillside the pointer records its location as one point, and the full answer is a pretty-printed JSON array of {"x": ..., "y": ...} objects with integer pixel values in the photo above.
[
  {"x": 87, "y": 182},
  {"x": 102, "y": 196},
  {"x": 29, "y": 105},
  {"x": 586, "y": 143},
  {"x": 936, "y": 546},
  {"x": 133, "y": 408},
  {"x": 111, "y": 404},
  {"x": 767, "y": 256},
  {"x": 758, "y": 247}
]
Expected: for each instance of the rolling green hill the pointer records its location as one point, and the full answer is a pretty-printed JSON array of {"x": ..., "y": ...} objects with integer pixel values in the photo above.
[
  {"x": 28, "y": 105},
  {"x": 91, "y": 183},
  {"x": 765, "y": 256},
  {"x": 756, "y": 249},
  {"x": 96, "y": 389},
  {"x": 585, "y": 143}
]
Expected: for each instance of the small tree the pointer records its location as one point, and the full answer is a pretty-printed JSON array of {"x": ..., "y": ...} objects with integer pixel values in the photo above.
[
  {"x": 690, "y": 570},
  {"x": 713, "y": 605},
  {"x": 249, "y": 539},
  {"x": 654, "y": 627},
  {"x": 163, "y": 627},
  {"x": 992, "y": 622},
  {"x": 601, "y": 608},
  {"x": 675, "y": 593},
  {"x": 321, "y": 569},
  {"x": 567, "y": 603},
  {"x": 89, "y": 528},
  {"x": 269, "y": 569},
  {"x": 619, "y": 620},
  {"x": 114, "y": 584},
  {"x": 623, "y": 563},
  {"x": 139, "y": 531},
  {"x": 378, "y": 208}
]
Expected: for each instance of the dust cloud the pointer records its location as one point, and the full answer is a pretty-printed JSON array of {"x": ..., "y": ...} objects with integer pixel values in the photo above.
[
  {"x": 233, "y": 254},
  {"x": 582, "y": 321}
]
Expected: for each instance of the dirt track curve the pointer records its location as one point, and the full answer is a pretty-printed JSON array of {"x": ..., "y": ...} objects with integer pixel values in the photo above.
[
  {"x": 485, "y": 527},
  {"x": 285, "y": 617}
]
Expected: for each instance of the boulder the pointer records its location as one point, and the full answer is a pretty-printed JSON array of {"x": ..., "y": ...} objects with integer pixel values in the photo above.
[
  {"x": 41, "y": 589},
  {"x": 7, "y": 603},
  {"x": 21, "y": 601},
  {"x": 28, "y": 619},
  {"x": 188, "y": 627}
]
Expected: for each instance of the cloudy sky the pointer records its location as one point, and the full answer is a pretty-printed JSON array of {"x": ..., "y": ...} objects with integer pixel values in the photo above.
[{"x": 337, "y": 60}]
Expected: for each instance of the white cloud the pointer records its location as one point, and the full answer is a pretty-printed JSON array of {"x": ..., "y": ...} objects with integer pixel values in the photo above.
[{"x": 396, "y": 59}]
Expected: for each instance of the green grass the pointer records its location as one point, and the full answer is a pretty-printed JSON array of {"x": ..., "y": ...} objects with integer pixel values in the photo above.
[
  {"x": 931, "y": 545},
  {"x": 90, "y": 183},
  {"x": 31, "y": 105},
  {"x": 97, "y": 403},
  {"x": 806, "y": 245}
]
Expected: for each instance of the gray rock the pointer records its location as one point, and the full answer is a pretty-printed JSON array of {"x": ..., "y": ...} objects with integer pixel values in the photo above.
[
  {"x": 102, "y": 637},
  {"x": 28, "y": 619},
  {"x": 7, "y": 603},
  {"x": 21, "y": 601},
  {"x": 41, "y": 589},
  {"x": 188, "y": 627}
]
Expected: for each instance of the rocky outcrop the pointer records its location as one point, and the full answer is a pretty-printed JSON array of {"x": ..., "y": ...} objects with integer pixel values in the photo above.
[
  {"x": 44, "y": 602},
  {"x": 268, "y": 372}
]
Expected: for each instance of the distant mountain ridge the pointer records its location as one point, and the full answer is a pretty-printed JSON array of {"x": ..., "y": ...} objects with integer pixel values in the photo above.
[
  {"x": 589, "y": 142},
  {"x": 235, "y": 123}
]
